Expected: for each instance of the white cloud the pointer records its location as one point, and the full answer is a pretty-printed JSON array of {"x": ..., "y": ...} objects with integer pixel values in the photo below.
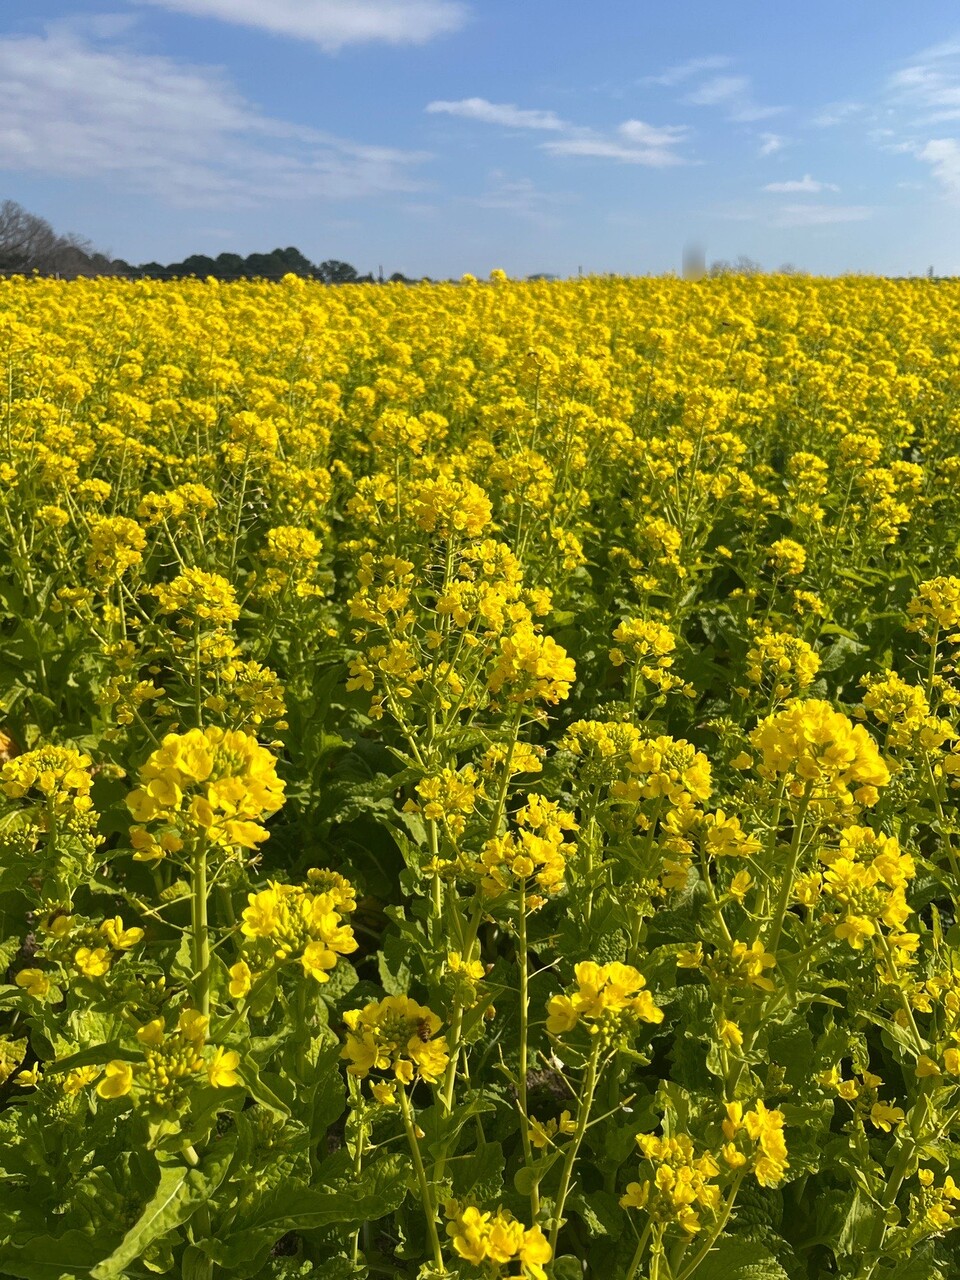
[
  {"x": 821, "y": 215},
  {"x": 806, "y": 184},
  {"x": 605, "y": 149},
  {"x": 929, "y": 84},
  {"x": 685, "y": 70},
  {"x": 733, "y": 95},
  {"x": 943, "y": 157},
  {"x": 333, "y": 23},
  {"x": 634, "y": 142},
  {"x": 180, "y": 133},
  {"x": 770, "y": 144},
  {"x": 649, "y": 135},
  {"x": 503, "y": 113}
]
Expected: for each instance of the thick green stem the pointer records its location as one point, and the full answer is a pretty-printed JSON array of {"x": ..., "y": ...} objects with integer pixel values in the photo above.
[
  {"x": 426, "y": 1197},
  {"x": 897, "y": 1175},
  {"x": 200, "y": 930}
]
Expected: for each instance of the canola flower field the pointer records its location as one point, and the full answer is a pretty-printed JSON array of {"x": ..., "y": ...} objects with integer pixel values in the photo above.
[{"x": 479, "y": 780}]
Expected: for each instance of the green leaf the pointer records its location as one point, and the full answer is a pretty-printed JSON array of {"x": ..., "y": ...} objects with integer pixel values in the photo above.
[
  {"x": 379, "y": 1190},
  {"x": 568, "y": 1268},
  {"x": 261, "y": 1092},
  {"x": 52, "y": 1258},
  {"x": 479, "y": 1173},
  {"x": 530, "y": 1176},
  {"x": 733, "y": 1259},
  {"x": 180, "y": 1192}
]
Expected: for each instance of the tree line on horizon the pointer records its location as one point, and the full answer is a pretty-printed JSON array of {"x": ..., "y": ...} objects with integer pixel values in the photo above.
[{"x": 29, "y": 245}]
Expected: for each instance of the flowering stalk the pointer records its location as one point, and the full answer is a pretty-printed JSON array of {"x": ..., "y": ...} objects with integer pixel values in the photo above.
[{"x": 426, "y": 1195}]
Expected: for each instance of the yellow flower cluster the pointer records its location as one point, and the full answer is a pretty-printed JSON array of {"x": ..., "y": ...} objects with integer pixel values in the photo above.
[
  {"x": 607, "y": 996},
  {"x": 760, "y": 1131},
  {"x": 497, "y": 1240},
  {"x": 666, "y": 769},
  {"x": 116, "y": 545},
  {"x": 449, "y": 796},
  {"x": 866, "y": 878},
  {"x": 938, "y": 1206},
  {"x": 781, "y": 664},
  {"x": 905, "y": 710},
  {"x": 286, "y": 921},
  {"x": 58, "y": 776},
  {"x": 206, "y": 783},
  {"x": 395, "y": 1034},
  {"x": 819, "y": 749},
  {"x": 935, "y": 610},
  {"x": 172, "y": 1061},
  {"x": 681, "y": 1182},
  {"x": 532, "y": 667},
  {"x": 197, "y": 596},
  {"x": 537, "y": 851}
]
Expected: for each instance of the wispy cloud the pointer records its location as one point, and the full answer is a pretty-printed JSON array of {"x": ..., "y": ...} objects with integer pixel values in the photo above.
[
  {"x": 631, "y": 142},
  {"x": 333, "y": 23},
  {"x": 734, "y": 96},
  {"x": 503, "y": 113},
  {"x": 806, "y": 185},
  {"x": 836, "y": 113},
  {"x": 943, "y": 157},
  {"x": 519, "y": 197},
  {"x": 770, "y": 144},
  {"x": 182, "y": 133},
  {"x": 687, "y": 70},
  {"x": 921, "y": 96},
  {"x": 821, "y": 215},
  {"x": 929, "y": 84}
]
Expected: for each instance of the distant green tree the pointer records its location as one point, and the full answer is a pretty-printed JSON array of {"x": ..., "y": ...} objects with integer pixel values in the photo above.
[
  {"x": 334, "y": 272},
  {"x": 229, "y": 266},
  {"x": 198, "y": 264},
  {"x": 294, "y": 261}
]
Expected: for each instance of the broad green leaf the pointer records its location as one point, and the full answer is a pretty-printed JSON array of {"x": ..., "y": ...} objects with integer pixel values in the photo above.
[
  {"x": 379, "y": 1190},
  {"x": 734, "y": 1259},
  {"x": 180, "y": 1191}
]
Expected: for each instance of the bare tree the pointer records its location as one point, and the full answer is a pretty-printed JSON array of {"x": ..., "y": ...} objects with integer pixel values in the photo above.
[{"x": 28, "y": 243}]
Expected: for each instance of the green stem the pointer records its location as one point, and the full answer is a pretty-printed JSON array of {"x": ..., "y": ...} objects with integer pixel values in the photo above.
[
  {"x": 583, "y": 1115},
  {"x": 429, "y": 1209},
  {"x": 501, "y": 800},
  {"x": 523, "y": 1063},
  {"x": 897, "y": 1175},
  {"x": 789, "y": 871},
  {"x": 357, "y": 1098},
  {"x": 638, "y": 1252},
  {"x": 199, "y": 928},
  {"x": 715, "y": 1233}
]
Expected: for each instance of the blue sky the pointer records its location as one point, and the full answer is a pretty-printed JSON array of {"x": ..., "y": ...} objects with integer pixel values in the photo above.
[{"x": 443, "y": 136}]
